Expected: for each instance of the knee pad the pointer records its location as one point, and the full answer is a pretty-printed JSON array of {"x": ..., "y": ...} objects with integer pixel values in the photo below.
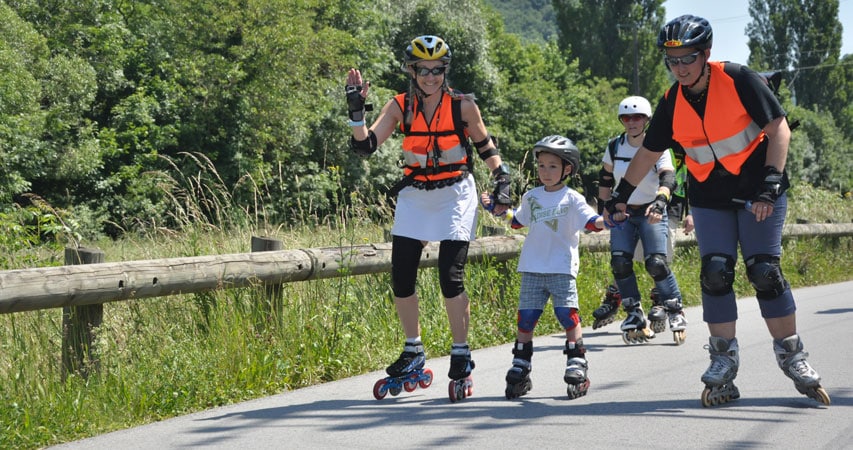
[
  {"x": 622, "y": 264},
  {"x": 527, "y": 319},
  {"x": 718, "y": 274},
  {"x": 405, "y": 259},
  {"x": 656, "y": 266},
  {"x": 568, "y": 317},
  {"x": 451, "y": 267},
  {"x": 765, "y": 275}
]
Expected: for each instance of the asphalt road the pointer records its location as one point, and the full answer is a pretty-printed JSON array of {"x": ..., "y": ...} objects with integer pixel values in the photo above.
[{"x": 640, "y": 396}]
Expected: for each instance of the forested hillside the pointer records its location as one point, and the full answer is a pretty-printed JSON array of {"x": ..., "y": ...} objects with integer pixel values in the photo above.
[{"x": 117, "y": 116}]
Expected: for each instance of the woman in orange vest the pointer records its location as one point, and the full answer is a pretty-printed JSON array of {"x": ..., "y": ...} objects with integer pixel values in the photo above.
[
  {"x": 437, "y": 199},
  {"x": 735, "y": 136}
]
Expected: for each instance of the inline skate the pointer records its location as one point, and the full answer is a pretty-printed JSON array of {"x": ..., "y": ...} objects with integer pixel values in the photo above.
[
  {"x": 406, "y": 373},
  {"x": 518, "y": 380},
  {"x": 792, "y": 360},
  {"x": 461, "y": 384},
  {"x": 606, "y": 313},
  {"x": 657, "y": 314},
  {"x": 635, "y": 329},
  {"x": 677, "y": 321},
  {"x": 719, "y": 378},
  {"x": 576, "y": 369}
]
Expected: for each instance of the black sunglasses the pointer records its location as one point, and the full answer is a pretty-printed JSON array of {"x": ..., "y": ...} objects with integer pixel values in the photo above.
[
  {"x": 424, "y": 71},
  {"x": 686, "y": 59}
]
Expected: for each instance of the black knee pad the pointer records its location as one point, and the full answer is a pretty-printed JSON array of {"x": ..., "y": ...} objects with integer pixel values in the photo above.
[
  {"x": 405, "y": 259},
  {"x": 622, "y": 264},
  {"x": 718, "y": 274},
  {"x": 452, "y": 256},
  {"x": 656, "y": 266},
  {"x": 765, "y": 275}
]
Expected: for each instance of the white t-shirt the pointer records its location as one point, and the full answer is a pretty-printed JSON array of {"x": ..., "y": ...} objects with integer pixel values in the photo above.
[
  {"x": 554, "y": 221},
  {"x": 648, "y": 188}
]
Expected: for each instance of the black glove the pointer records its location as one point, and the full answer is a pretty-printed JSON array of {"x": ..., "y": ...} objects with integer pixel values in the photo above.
[
  {"x": 771, "y": 188},
  {"x": 620, "y": 195},
  {"x": 502, "y": 193},
  {"x": 355, "y": 103},
  {"x": 659, "y": 205}
]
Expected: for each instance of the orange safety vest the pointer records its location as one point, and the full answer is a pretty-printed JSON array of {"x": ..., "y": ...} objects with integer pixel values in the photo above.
[
  {"x": 726, "y": 134},
  {"x": 435, "y": 151}
]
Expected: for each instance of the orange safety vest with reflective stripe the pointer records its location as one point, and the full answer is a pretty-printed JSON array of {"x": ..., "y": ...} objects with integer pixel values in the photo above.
[
  {"x": 726, "y": 134},
  {"x": 434, "y": 151}
]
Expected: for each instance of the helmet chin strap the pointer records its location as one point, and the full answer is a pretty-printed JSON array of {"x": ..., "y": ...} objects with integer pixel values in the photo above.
[{"x": 704, "y": 66}]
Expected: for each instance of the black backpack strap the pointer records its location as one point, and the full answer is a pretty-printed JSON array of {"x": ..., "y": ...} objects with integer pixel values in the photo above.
[{"x": 613, "y": 147}]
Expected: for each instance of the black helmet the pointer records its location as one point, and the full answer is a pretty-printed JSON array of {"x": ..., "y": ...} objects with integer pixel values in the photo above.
[
  {"x": 563, "y": 147},
  {"x": 685, "y": 32}
]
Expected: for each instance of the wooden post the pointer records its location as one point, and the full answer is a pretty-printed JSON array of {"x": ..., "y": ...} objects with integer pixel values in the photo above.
[
  {"x": 269, "y": 311},
  {"x": 80, "y": 323}
]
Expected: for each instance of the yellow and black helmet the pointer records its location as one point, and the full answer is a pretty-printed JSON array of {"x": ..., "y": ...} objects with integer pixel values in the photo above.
[{"x": 427, "y": 48}]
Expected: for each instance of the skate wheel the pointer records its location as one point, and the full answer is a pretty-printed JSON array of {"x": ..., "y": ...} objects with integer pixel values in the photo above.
[
  {"x": 510, "y": 393},
  {"x": 470, "y": 383},
  {"x": 426, "y": 380},
  {"x": 679, "y": 336},
  {"x": 706, "y": 398},
  {"x": 379, "y": 391},
  {"x": 577, "y": 390},
  {"x": 395, "y": 391},
  {"x": 625, "y": 338},
  {"x": 452, "y": 392},
  {"x": 411, "y": 383},
  {"x": 822, "y": 396}
]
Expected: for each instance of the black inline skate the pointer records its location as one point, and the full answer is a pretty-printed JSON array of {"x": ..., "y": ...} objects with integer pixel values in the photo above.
[
  {"x": 635, "y": 329},
  {"x": 657, "y": 314},
  {"x": 677, "y": 321},
  {"x": 406, "y": 373},
  {"x": 576, "y": 369},
  {"x": 719, "y": 378},
  {"x": 606, "y": 313},
  {"x": 461, "y": 384},
  {"x": 792, "y": 360},
  {"x": 518, "y": 380}
]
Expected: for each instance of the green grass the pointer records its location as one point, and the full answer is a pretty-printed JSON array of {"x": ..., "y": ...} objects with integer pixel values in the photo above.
[{"x": 168, "y": 356}]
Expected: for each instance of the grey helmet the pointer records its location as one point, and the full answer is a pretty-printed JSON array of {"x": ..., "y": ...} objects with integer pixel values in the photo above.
[{"x": 564, "y": 148}]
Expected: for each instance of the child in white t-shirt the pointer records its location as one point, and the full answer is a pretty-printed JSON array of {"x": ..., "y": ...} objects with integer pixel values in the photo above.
[{"x": 554, "y": 214}]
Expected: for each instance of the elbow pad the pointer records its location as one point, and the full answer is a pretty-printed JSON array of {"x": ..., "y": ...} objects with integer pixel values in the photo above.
[
  {"x": 366, "y": 147},
  {"x": 605, "y": 178},
  {"x": 667, "y": 180}
]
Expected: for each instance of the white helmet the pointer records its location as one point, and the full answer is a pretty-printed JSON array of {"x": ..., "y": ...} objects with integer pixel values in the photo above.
[{"x": 635, "y": 105}]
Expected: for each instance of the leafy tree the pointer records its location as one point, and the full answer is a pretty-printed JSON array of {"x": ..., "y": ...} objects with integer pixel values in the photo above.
[
  {"x": 804, "y": 38},
  {"x": 532, "y": 20},
  {"x": 615, "y": 39}
]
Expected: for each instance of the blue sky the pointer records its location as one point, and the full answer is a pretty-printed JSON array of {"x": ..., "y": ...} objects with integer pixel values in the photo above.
[{"x": 729, "y": 18}]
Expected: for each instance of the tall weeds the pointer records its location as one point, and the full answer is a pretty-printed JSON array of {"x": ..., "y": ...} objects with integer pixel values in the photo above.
[{"x": 168, "y": 356}]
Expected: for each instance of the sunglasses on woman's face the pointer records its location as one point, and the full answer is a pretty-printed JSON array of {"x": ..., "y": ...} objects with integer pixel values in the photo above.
[
  {"x": 424, "y": 71},
  {"x": 686, "y": 59}
]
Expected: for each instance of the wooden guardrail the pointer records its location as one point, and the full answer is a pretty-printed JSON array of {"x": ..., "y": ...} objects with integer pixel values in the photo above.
[{"x": 85, "y": 283}]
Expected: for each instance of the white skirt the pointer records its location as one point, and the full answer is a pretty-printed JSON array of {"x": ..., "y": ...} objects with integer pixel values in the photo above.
[{"x": 449, "y": 213}]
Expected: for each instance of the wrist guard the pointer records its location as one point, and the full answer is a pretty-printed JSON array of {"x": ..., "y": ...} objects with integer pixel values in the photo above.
[
  {"x": 355, "y": 103},
  {"x": 771, "y": 188},
  {"x": 502, "y": 192},
  {"x": 659, "y": 205}
]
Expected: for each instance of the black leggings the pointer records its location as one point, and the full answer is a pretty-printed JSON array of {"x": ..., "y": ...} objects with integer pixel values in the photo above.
[{"x": 406, "y": 258}]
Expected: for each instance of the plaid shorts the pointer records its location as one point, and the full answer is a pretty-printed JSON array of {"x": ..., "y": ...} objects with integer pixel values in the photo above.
[{"x": 537, "y": 287}]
